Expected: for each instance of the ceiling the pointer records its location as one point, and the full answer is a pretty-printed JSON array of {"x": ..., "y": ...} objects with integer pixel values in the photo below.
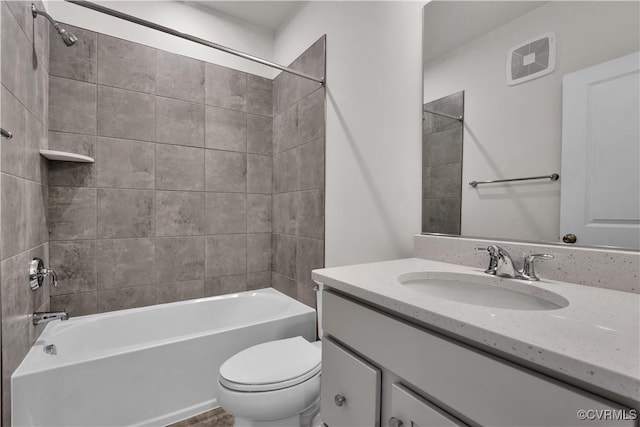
[
  {"x": 266, "y": 14},
  {"x": 451, "y": 24}
]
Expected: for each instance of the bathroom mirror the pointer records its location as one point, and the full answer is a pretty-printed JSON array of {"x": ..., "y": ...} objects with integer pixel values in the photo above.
[{"x": 544, "y": 88}]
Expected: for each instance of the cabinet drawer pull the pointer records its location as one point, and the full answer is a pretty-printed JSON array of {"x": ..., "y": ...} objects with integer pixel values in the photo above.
[
  {"x": 395, "y": 422},
  {"x": 340, "y": 400}
]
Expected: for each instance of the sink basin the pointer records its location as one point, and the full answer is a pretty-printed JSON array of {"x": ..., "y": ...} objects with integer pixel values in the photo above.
[{"x": 487, "y": 291}]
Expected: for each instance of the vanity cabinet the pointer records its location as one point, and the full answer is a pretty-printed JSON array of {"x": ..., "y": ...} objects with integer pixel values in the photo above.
[{"x": 437, "y": 381}]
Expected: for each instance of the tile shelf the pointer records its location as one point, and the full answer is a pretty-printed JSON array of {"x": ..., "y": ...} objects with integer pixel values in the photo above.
[{"x": 65, "y": 156}]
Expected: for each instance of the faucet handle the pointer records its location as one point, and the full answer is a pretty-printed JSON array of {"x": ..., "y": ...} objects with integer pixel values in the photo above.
[
  {"x": 493, "y": 251},
  {"x": 38, "y": 272},
  {"x": 54, "y": 277},
  {"x": 532, "y": 257},
  {"x": 528, "y": 270}
]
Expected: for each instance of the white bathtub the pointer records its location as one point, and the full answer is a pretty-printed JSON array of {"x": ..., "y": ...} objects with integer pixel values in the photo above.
[{"x": 147, "y": 366}]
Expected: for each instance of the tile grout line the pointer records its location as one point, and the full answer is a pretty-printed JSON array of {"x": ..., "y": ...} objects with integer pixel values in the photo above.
[
  {"x": 164, "y": 97},
  {"x": 155, "y": 184},
  {"x": 27, "y": 109},
  {"x": 204, "y": 179},
  {"x": 246, "y": 208}
]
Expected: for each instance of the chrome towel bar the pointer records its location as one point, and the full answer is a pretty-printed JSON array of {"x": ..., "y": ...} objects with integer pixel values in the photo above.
[
  {"x": 448, "y": 116},
  {"x": 552, "y": 177}
]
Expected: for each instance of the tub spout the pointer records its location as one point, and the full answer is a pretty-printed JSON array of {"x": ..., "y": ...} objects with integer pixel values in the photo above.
[{"x": 46, "y": 316}]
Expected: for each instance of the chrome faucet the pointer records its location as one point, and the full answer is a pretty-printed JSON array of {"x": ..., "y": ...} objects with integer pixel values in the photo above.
[
  {"x": 47, "y": 316},
  {"x": 501, "y": 264}
]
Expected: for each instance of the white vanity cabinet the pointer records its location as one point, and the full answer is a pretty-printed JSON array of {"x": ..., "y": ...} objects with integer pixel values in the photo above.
[{"x": 437, "y": 381}]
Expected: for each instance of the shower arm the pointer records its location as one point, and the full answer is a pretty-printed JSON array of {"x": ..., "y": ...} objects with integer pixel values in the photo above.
[
  {"x": 35, "y": 12},
  {"x": 171, "y": 31}
]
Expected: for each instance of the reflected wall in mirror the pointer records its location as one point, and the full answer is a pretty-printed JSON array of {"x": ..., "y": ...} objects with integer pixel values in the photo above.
[
  {"x": 442, "y": 164},
  {"x": 522, "y": 128}
]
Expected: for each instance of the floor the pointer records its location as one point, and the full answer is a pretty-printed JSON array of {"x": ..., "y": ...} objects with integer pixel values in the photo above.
[{"x": 214, "y": 418}]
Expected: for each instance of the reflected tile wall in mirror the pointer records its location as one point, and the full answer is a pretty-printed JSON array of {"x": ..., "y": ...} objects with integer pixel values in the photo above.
[{"x": 442, "y": 165}]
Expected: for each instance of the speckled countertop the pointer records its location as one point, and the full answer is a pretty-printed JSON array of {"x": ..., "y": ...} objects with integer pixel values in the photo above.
[{"x": 595, "y": 339}]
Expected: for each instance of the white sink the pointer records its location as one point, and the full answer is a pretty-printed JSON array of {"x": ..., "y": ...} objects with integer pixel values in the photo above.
[{"x": 489, "y": 291}]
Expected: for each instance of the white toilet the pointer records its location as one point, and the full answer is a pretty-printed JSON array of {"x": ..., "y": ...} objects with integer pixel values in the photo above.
[{"x": 274, "y": 384}]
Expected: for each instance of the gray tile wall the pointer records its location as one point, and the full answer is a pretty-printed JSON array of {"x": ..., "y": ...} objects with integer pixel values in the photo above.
[
  {"x": 442, "y": 166},
  {"x": 298, "y": 176},
  {"x": 178, "y": 202},
  {"x": 24, "y": 79}
]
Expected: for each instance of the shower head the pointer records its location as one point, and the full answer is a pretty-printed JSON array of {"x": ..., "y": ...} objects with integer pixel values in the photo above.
[{"x": 68, "y": 38}]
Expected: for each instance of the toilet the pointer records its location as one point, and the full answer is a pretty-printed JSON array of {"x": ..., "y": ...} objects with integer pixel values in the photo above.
[{"x": 274, "y": 384}]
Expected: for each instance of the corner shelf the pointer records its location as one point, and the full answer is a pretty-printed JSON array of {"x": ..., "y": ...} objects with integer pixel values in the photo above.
[{"x": 64, "y": 156}]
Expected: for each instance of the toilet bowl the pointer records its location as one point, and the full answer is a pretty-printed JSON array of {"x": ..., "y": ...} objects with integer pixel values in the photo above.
[{"x": 274, "y": 384}]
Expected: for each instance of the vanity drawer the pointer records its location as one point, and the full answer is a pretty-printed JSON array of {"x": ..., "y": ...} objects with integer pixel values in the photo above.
[
  {"x": 477, "y": 386},
  {"x": 350, "y": 391},
  {"x": 408, "y": 409}
]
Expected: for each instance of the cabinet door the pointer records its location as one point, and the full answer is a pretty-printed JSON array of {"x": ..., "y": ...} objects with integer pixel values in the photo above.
[
  {"x": 410, "y": 410},
  {"x": 350, "y": 388}
]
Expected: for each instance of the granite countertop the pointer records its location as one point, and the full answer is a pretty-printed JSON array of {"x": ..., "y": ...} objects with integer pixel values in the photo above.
[{"x": 595, "y": 339}]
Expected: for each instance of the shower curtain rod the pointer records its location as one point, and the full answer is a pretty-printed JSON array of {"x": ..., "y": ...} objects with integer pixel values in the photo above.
[{"x": 195, "y": 39}]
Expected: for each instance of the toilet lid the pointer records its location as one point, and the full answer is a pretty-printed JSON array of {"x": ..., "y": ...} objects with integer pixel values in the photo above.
[{"x": 271, "y": 366}]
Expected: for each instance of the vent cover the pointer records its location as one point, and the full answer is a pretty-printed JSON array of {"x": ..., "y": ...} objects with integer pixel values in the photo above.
[{"x": 531, "y": 59}]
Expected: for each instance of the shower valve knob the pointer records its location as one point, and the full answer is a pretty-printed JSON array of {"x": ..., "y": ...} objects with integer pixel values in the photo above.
[{"x": 38, "y": 272}]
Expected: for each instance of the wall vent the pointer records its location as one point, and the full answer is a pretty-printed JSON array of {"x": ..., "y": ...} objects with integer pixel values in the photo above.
[{"x": 531, "y": 59}]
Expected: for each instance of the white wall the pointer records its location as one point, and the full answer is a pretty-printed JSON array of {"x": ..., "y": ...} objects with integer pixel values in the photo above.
[
  {"x": 373, "y": 136},
  {"x": 188, "y": 18},
  {"x": 515, "y": 131}
]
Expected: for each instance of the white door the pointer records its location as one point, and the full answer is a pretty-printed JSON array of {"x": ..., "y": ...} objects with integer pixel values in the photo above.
[{"x": 600, "y": 198}]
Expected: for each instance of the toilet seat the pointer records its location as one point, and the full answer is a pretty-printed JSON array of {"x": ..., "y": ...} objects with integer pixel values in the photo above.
[{"x": 271, "y": 366}]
